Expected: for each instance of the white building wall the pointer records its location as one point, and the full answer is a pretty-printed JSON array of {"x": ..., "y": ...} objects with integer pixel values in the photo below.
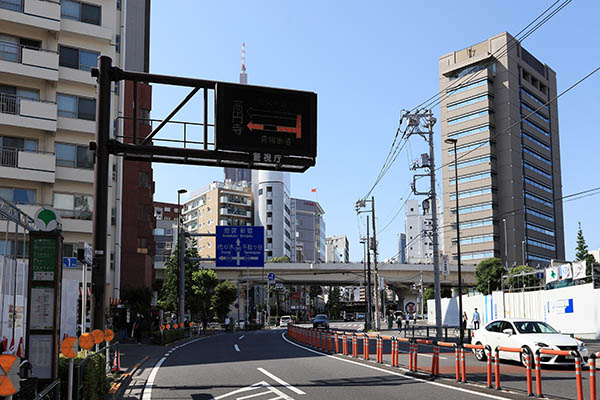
[
  {"x": 272, "y": 209},
  {"x": 419, "y": 246}
]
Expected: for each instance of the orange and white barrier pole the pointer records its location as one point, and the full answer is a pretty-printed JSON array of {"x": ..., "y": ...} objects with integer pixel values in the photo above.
[
  {"x": 464, "y": 365},
  {"x": 366, "y": 346},
  {"x": 344, "y": 344},
  {"x": 435, "y": 359},
  {"x": 379, "y": 349},
  {"x": 410, "y": 355},
  {"x": 578, "y": 377},
  {"x": 394, "y": 362},
  {"x": 497, "y": 367},
  {"x": 329, "y": 344},
  {"x": 415, "y": 354},
  {"x": 457, "y": 362},
  {"x": 592, "y": 362},
  {"x": 337, "y": 342},
  {"x": 538, "y": 375},
  {"x": 528, "y": 371},
  {"x": 354, "y": 346},
  {"x": 488, "y": 351}
]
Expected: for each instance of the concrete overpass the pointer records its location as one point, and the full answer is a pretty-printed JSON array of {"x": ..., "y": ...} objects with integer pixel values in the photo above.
[{"x": 350, "y": 274}]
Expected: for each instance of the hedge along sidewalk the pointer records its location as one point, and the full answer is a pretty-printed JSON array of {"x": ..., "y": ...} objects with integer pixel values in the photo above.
[{"x": 137, "y": 361}]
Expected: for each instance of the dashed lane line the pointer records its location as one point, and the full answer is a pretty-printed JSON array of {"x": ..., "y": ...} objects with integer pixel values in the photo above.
[
  {"x": 241, "y": 337},
  {"x": 236, "y": 347}
]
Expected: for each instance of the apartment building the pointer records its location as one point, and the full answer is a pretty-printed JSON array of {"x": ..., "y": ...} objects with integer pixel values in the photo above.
[
  {"x": 220, "y": 203},
  {"x": 337, "y": 249},
  {"x": 418, "y": 227},
  {"x": 48, "y": 111},
  {"x": 495, "y": 103},
  {"x": 165, "y": 237}
]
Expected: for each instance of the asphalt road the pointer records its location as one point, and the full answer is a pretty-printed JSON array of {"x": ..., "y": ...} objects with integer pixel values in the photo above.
[{"x": 265, "y": 365}]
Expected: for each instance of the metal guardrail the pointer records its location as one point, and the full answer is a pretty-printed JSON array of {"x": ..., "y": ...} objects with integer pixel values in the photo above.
[
  {"x": 50, "y": 392},
  {"x": 79, "y": 373}
]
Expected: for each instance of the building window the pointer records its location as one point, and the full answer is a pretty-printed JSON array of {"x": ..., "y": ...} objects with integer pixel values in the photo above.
[
  {"x": 260, "y": 192},
  {"x": 77, "y": 58},
  {"x": 144, "y": 180},
  {"x": 79, "y": 206},
  {"x": 269, "y": 202},
  {"x": 269, "y": 189},
  {"x": 10, "y": 146},
  {"x": 18, "y": 196},
  {"x": 71, "y": 155},
  {"x": 88, "y": 13},
  {"x": 76, "y": 107}
]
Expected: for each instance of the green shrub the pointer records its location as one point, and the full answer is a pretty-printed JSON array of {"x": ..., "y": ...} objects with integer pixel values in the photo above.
[
  {"x": 95, "y": 381},
  {"x": 171, "y": 335}
]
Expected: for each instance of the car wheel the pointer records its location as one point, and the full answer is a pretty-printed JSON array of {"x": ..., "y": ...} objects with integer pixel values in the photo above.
[
  {"x": 479, "y": 353},
  {"x": 523, "y": 358}
]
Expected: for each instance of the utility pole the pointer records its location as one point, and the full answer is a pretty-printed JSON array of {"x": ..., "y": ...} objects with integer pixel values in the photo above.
[
  {"x": 427, "y": 120},
  {"x": 377, "y": 294},
  {"x": 360, "y": 204},
  {"x": 369, "y": 294}
]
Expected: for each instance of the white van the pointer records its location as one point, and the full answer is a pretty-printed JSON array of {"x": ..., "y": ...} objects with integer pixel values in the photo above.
[{"x": 285, "y": 320}]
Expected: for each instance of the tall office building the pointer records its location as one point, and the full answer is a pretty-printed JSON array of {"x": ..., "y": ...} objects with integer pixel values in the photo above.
[
  {"x": 418, "y": 246},
  {"x": 272, "y": 210},
  {"x": 338, "y": 249},
  {"x": 509, "y": 179},
  {"x": 308, "y": 231}
]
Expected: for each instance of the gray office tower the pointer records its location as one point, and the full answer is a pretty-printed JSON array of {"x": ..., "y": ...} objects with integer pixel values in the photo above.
[
  {"x": 496, "y": 102},
  {"x": 240, "y": 174}
]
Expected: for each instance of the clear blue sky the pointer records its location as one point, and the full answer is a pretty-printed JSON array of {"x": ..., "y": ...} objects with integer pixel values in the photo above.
[{"x": 367, "y": 61}]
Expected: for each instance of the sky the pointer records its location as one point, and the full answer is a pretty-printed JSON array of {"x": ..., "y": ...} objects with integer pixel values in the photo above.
[{"x": 367, "y": 61}]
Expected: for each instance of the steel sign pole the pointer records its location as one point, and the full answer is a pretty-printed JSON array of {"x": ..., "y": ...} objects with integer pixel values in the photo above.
[{"x": 103, "y": 73}]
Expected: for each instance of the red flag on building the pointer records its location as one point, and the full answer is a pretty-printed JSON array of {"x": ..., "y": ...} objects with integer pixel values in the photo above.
[{"x": 314, "y": 190}]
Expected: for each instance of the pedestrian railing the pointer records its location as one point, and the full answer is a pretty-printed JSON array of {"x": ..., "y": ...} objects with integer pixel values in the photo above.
[
  {"x": 50, "y": 392},
  {"x": 348, "y": 343}
]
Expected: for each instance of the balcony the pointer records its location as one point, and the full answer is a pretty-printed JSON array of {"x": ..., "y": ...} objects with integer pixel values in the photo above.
[
  {"x": 75, "y": 75},
  {"x": 75, "y": 174},
  {"x": 85, "y": 29},
  {"x": 235, "y": 200},
  {"x": 76, "y": 125},
  {"x": 28, "y": 61},
  {"x": 235, "y": 213},
  {"x": 27, "y": 165},
  {"x": 38, "y": 14},
  {"x": 27, "y": 113}
]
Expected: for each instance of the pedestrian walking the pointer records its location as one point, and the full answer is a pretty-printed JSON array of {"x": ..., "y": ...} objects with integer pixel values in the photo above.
[
  {"x": 464, "y": 320},
  {"x": 399, "y": 322},
  {"x": 390, "y": 321},
  {"x": 137, "y": 328},
  {"x": 475, "y": 319}
]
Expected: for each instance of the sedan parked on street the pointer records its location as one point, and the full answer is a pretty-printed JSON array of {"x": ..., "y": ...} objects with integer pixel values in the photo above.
[
  {"x": 528, "y": 335},
  {"x": 321, "y": 321}
]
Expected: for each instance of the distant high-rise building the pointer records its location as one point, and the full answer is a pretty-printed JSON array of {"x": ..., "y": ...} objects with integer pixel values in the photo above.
[
  {"x": 419, "y": 245},
  {"x": 402, "y": 248},
  {"x": 220, "y": 203},
  {"x": 338, "y": 249},
  {"x": 240, "y": 174},
  {"x": 493, "y": 102},
  {"x": 308, "y": 231},
  {"x": 271, "y": 191},
  {"x": 165, "y": 235}
]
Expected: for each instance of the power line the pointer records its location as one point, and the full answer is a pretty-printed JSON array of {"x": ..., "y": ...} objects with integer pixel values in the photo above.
[{"x": 397, "y": 213}]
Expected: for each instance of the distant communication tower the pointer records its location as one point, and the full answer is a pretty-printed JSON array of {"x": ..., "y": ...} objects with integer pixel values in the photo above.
[{"x": 243, "y": 75}]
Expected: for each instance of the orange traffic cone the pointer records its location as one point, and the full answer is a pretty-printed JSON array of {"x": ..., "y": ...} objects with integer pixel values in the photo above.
[{"x": 20, "y": 348}]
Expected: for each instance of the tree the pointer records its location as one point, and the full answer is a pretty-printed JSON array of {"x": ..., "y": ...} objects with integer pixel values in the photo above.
[
  {"x": 446, "y": 292},
  {"x": 204, "y": 282},
  {"x": 488, "y": 275},
  {"x": 284, "y": 259},
  {"x": 225, "y": 293},
  {"x": 428, "y": 294},
  {"x": 582, "y": 249},
  {"x": 168, "y": 298},
  {"x": 334, "y": 304}
]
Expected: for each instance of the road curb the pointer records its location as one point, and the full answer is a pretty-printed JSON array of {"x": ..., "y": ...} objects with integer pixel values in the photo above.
[{"x": 118, "y": 388}]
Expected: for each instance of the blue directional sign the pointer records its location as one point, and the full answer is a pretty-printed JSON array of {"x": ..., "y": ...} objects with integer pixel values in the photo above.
[
  {"x": 240, "y": 246},
  {"x": 69, "y": 262},
  {"x": 271, "y": 277}
]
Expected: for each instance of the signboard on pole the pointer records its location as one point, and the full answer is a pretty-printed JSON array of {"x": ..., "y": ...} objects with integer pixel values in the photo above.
[
  {"x": 240, "y": 246},
  {"x": 271, "y": 277},
  {"x": 445, "y": 265},
  {"x": 272, "y": 122}
]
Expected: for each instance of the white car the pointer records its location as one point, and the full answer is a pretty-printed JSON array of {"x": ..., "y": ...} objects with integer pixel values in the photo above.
[
  {"x": 526, "y": 334},
  {"x": 285, "y": 320}
]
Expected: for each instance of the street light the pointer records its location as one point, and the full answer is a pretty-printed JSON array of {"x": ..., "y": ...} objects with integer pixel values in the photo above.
[
  {"x": 181, "y": 247},
  {"x": 460, "y": 308}
]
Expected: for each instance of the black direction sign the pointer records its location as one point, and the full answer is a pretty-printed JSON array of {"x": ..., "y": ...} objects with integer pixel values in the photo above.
[{"x": 277, "y": 122}]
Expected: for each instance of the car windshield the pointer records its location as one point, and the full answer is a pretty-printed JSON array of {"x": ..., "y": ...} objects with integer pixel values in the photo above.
[
  {"x": 534, "y": 327},
  {"x": 321, "y": 316}
]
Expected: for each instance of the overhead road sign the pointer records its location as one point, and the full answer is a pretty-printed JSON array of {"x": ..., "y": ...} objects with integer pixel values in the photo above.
[
  {"x": 240, "y": 246},
  {"x": 267, "y": 121},
  {"x": 271, "y": 277}
]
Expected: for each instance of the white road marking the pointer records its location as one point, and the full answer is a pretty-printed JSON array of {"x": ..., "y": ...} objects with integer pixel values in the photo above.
[
  {"x": 281, "y": 381},
  {"x": 256, "y": 386},
  {"x": 147, "y": 394},
  {"x": 236, "y": 347},
  {"x": 241, "y": 337},
  {"x": 490, "y": 396}
]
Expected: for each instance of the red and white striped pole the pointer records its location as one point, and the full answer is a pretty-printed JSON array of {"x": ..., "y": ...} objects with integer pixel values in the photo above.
[
  {"x": 366, "y": 346},
  {"x": 592, "y": 362},
  {"x": 578, "y": 375}
]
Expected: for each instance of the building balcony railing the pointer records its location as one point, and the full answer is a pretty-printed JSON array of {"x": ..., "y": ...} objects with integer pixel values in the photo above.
[
  {"x": 9, "y": 157},
  {"x": 34, "y": 62},
  {"x": 76, "y": 214},
  {"x": 38, "y": 14},
  {"x": 29, "y": 165},
  {"x": 28, "y": 113},
  {"x": 235, "y": 200},
  {"x": 236, "y": 213}
]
